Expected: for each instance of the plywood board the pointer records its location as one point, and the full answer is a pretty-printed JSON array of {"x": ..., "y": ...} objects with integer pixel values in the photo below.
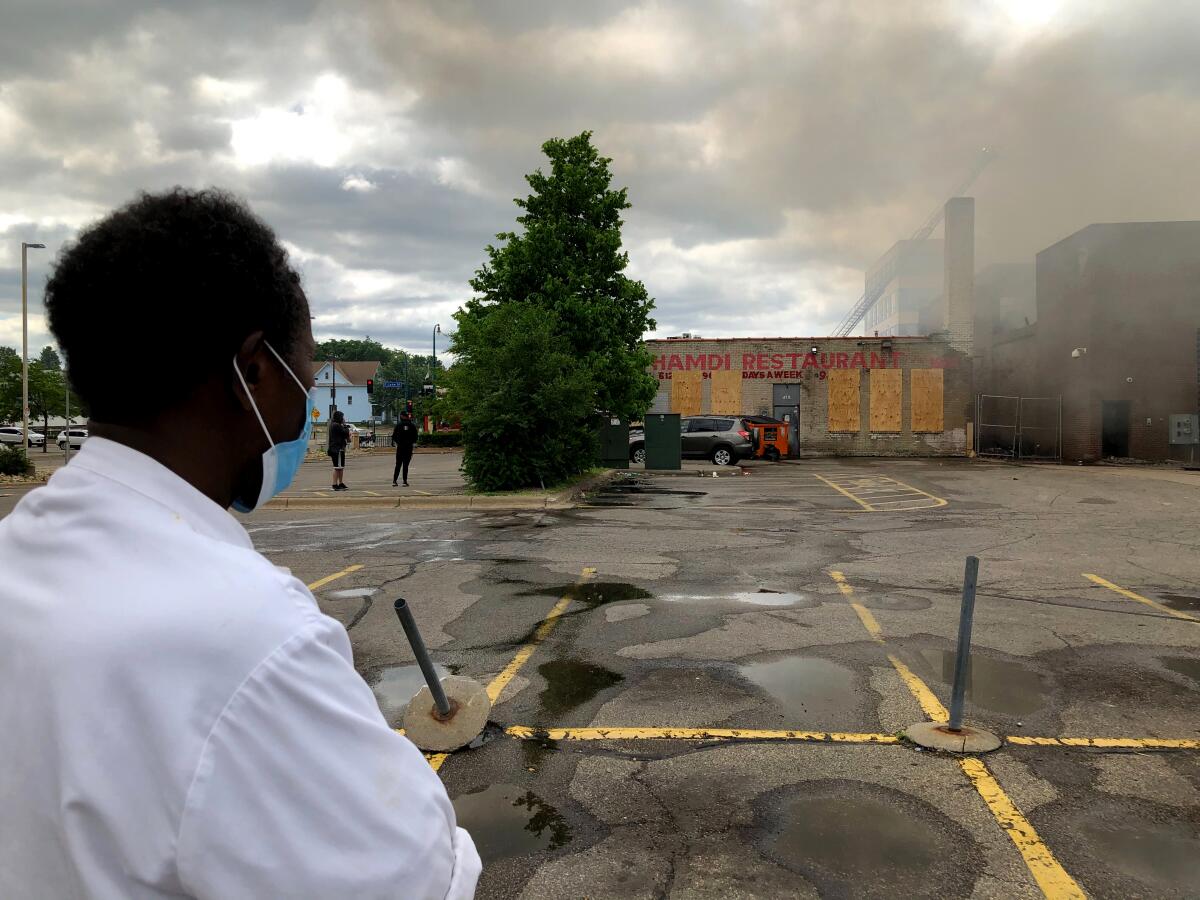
[
  {"x": 727, "y": 392},
  {"x": 927, "y": 400},
  {"x": 887, "y": 389},
  {"x": 686, "y": 393},
  {"x": 843, "y": 399}
]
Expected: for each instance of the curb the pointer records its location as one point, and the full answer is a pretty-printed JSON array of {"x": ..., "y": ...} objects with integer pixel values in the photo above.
[{"x": 456, "y": 501}]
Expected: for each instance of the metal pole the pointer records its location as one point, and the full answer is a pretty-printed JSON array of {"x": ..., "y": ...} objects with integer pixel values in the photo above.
[
  {"x": 409, "y": 624},
  {"x": 963, "y": 658},
  {"x": 25, "y": 339},
  {"x": 24, "y": 347}
]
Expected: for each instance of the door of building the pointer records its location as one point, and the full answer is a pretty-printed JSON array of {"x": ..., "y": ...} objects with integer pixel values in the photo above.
[
  {"x": 786, "y": 402},
  {"x": 1114, "y": 428}
]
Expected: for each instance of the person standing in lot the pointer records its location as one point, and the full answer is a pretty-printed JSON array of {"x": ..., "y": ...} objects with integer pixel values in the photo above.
[
  {"x": 184, "y": 721},
  {"x": 404, "y": 438},
  {"x": 339, "y": 437}
]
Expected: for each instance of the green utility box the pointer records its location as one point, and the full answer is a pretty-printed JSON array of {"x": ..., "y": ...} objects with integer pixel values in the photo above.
[
  {"x": 663, "y": 447},
  {"x": 614, "y": 443}
]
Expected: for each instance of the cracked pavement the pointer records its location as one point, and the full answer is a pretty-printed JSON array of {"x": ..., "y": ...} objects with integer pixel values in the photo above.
[{"x": 711, "y": 605}]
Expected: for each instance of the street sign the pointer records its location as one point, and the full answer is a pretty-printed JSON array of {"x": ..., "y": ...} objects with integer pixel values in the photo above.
[{"x": 393, "y": 384}]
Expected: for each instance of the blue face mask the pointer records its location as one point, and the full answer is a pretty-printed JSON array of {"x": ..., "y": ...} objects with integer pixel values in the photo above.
[{"x": 280, "y": 462}]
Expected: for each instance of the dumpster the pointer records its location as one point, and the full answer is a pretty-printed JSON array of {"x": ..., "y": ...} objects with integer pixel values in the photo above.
[
  {"x": 663, "y": 445},
  {"x": 614, "y": 443}
]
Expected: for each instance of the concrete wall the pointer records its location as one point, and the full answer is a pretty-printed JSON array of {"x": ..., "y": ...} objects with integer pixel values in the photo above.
[
  {"x": 1130, "y": 294},
  {"x": 808, "y": 364}
]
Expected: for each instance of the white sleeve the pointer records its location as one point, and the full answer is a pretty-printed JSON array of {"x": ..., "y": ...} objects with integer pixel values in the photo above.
[{"x": 302, "y": 790}]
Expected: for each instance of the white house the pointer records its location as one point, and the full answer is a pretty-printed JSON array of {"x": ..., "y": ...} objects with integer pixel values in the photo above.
[{"x": 344, "y": 387}]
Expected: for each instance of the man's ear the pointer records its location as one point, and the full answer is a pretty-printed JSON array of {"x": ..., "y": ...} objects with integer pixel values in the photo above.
[{"x": 249, "y": 362}]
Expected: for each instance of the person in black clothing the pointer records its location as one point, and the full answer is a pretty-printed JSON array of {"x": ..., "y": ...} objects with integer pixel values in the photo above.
[
  {"x": 339, "y": 437},
  {"x": 404, "y": 438}
]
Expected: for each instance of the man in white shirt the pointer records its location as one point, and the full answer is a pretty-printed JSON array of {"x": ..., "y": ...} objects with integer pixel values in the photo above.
[{"x": 177, "y": 717}]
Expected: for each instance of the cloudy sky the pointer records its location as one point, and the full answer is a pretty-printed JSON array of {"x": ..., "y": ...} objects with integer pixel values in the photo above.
[{"x": 772, "y": 150}]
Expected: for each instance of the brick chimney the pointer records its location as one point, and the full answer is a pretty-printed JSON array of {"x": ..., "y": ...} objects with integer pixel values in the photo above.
[{"x": 958, "y": 294}]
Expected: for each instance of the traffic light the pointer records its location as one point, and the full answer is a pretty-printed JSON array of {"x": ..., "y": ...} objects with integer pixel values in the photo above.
[{"x": 370, "y": 386}]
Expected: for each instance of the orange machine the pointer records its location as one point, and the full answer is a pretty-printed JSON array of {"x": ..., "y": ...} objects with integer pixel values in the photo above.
[{"x": 770, "y": 437}]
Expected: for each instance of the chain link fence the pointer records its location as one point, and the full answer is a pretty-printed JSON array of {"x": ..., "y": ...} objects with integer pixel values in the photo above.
[{"x": 1018, "y": 427}]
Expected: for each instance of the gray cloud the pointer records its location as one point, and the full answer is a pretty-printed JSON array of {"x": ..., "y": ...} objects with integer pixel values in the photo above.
[{"x": 772, "y": 150}]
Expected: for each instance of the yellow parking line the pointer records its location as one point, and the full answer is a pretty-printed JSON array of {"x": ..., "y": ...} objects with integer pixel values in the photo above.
[
  {"x": 372, "y": 493},
  {"x": 844, "y": 492},
  {"x": 1153, "y": 604},
  {"x": 1051, "y": 877},
  {"x": 864, "y": 614},
  {"x": 696, "y": 734},
  {"x": 436, "y": 760},
  {"x": 1110, "y": 743},
  {"x": 930, "y": 704},
  {"x": 500, "y": 682},
  {"x": 321, "y": 582}
]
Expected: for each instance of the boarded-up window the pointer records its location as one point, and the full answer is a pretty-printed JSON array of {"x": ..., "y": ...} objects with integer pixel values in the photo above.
[
  {"x": 726, "y": 392},
  {"x": 927, "y": 402},
  {"x": 887, "y": 386},
  {"x": 843, "y": 399},
  {"x": 685, "y": 393}
]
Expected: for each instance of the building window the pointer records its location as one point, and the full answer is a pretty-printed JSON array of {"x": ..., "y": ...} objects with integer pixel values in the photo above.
[{"x": 350, "y": 400}]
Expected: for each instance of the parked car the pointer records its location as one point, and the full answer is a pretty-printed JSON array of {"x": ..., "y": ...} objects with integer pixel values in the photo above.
[
  {"x": 77, "y": 435},
  {"x": 722, "y": 439},
  {"x": 11, "y": 434}
]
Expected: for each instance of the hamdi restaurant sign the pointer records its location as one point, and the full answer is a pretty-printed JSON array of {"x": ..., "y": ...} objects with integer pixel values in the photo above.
[{"x": 771, "y": 365}]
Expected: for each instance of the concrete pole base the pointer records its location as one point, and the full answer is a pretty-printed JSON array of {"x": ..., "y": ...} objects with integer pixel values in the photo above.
[
  {"x": 469, "y": 709},
  {"x": 938, "y": 736}
]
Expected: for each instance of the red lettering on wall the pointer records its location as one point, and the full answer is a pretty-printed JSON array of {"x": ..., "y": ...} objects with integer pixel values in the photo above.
[
  {"x": 896, "y": 360},
  {"x": 728, "y": 363},
  {"x": 810, "y": 361},
  {"x": 763, "y": 361},
  {"x": 676, "y": 362},
  {"x": 695, "y": 361},
  {"x": 826, "y": 361},
  {"x": 857, "y": 361},
  {"x": 714, "y": 362},
  {"x": 776, "y": 360},
  {"x": 747, "y": 361},
  {"x": 843, "y": 360},
  {"x": 793, "y": 357}
]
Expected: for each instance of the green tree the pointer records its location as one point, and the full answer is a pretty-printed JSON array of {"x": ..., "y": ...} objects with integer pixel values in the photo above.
[
  {"x": 514, "y": 386},
  {"x": 10, "y": 384},
  {"x": 49, "y": 359},
  {"x": 567, "y": 269}
]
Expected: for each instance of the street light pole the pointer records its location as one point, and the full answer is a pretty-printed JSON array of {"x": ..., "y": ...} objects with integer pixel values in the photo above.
[
  {"x": 25, "y": 340},
  {"x": 437, "y": 329}
]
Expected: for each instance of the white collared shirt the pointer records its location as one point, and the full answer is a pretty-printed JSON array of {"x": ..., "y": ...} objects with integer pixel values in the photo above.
[{"x": 177, "y": 717}]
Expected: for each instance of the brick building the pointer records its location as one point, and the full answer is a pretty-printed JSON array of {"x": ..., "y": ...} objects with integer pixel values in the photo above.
[
  {"x": 847, "y": 396},
  {"x": 1117, "y": 336}
]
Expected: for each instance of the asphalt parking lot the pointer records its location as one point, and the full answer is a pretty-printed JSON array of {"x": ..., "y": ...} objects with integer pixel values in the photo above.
[{"x": 716, "y": 671}]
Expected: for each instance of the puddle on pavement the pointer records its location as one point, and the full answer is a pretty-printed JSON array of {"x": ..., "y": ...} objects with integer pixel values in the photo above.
[
  {"x": 808, "y": 688},
  {"x": 505, "y": 820},
  {"x": 761, "y": 597},
  {"x": 396, "y": 685},
  {"x": 1183, "y": 665},
  {"x": 350, "y": 593},
  {"x": 1163, "y": 855},
  {"x": 635, "y": 493},
  {"x": 1181, "y": 602},
  {"x": 572, "y": 682},
  {"x": 535, "y": 750},
  {"x": 1002, "y": 687},
  {"x": 843, "y": 843},
  {"x": 593, "y": 593}
]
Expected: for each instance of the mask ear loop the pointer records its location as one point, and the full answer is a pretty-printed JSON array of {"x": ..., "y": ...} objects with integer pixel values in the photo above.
[
  {"x": 287, "y": 369},
  {"x": 250, "y": 397}
]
